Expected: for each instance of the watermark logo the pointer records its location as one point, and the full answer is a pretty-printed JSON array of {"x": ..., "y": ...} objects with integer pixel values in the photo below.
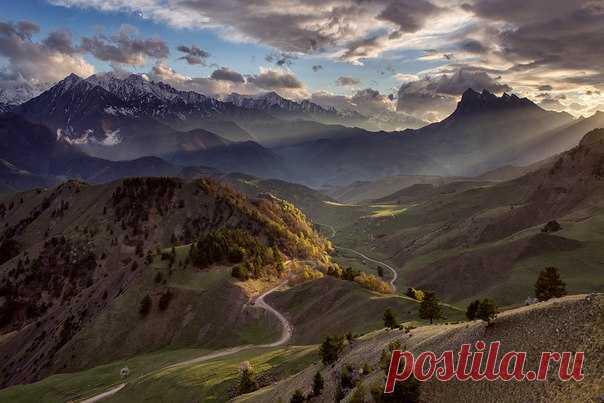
[{"x": 481, "y": 364}]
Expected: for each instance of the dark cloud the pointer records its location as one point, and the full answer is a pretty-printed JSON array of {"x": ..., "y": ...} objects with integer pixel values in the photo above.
[
  {"x": 458, "y": 82},
  {"x": 28, "y": 61},
  {"x": 345, "y": 81},
  {"x": 193, "y": 54},
  {"x": 290, "y": 26},
  {"x": 409, "y": 15},
  {"x": 274, "y": 80},
  {"x": 545, "y": 87},
  {"x": 22, "y": 29},
  {"x": 60, "y": 41},
  {"x": 317, "y": 67},
  {"x": 125, "y": 48},
  {"x": 226, "y": 74},
  {"x": 281, "y": 59},
  {"x": 433, "y": 97},
  {"x": 473, "y": 46},
  {"x": 548, "y": 34},
  {"x": 364, "y": 48}
]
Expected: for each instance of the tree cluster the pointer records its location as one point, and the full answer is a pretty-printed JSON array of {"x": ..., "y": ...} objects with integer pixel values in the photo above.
[{"x": 485, "y": 309}]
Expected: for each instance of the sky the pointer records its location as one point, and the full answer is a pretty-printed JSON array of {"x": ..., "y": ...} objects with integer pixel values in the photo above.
[{"x": 407, "y": 60}]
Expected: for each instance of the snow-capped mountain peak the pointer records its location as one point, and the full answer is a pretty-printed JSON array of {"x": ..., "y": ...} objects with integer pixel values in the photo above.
[
  {"x": 138, "y": 89},
  {"x": 271, "y": 101}
]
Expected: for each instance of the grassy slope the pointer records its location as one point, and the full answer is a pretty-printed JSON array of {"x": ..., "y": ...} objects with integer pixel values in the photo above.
[
  {"x": 214, "y": 380},
  {"x": 203, "y": 303},
  {"x": 329, "y": 306},
  {"x": 578, "y": 322},
  {"x": 66, "y": 387},
  {"x": 206, "y": 381},
  {"x": 426, "y": 234}
]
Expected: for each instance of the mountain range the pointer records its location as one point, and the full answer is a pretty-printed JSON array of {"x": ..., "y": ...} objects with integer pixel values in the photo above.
[{"x": 122, "y": 119}]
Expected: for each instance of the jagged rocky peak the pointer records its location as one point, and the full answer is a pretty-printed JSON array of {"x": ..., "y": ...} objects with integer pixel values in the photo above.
[
  {"x": 67, "y": 83},
  {"x": 473, "y": 101}
]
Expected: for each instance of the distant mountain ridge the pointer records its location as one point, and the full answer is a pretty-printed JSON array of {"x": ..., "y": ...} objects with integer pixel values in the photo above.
[
  {"x": 77, "y": 107},
  {"x": 484, "y": 132},
  {"x": 271, "y": 101},
  {"x": 117, "y": 118}
]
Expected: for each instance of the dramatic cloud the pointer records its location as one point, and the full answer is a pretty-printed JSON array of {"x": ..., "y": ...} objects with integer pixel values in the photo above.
[
  {"x": 226, "y": 74},
  {"x": 60, "y": 41},
  {"x": 317, "y": 67},
  {"x": 282, "y": 81},
  {"x": 380, "y": 109},
  {"x": 458, "y": 82},
  {"x": 409, "y": 15},
  {"x": 556, "y": 41},
  {"x": 34, "y": 63},
  {"x": 433, "y": 97},
  {"x": 193, "y": 54},
  {"x": 125, "y": 48},
  {"x": 224, "y": 81},
  {"x": 528, "y": 43},
  {"x": 270, "y": 79},
  {"x": 290, "y": 26},
  {"x": 345, "y": 81}
]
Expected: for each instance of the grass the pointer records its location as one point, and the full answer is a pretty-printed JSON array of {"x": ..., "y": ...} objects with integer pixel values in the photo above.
[
  {"x": 213, "y": 381},
  {"x": 66, "y": 387},
  {"x": 329, "y": 306},
  {"x": 582, "y": 269},
  {"x": 386, "y": 210},
  {"x": 205, "y": 381}
]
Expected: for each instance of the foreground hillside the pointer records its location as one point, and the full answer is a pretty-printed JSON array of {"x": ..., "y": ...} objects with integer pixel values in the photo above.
[
  {"x": 91, "y": 273},
  {"x": 574, "y": 323}
]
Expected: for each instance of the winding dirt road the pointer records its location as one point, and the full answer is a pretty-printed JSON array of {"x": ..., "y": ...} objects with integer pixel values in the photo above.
[
  {"x": 356, "y": 252},
  {"x": 286, "y": 334},
  {"x": 394, "y": 273},
  {"x": 287, "y": 328}
]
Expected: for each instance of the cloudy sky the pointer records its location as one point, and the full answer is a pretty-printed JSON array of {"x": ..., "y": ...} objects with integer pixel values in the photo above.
[{"x": 407, "y": 58}]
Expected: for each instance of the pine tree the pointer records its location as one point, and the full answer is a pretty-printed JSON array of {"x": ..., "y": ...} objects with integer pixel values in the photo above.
[
  {"x": 472, "y": 309},
  {"x": 487, "y": 311},
  {"x": 549, "y": 285},
  {"x": 330, "y": 349},
  {"x": 389, "y": 319},
  {"x": 298, "y": 397},
  {"x": 317, "y": 384},
  {"x": 430, "y": 308}
]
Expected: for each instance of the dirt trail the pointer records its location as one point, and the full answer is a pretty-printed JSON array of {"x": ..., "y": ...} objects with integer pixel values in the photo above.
[
  {"x": 356, "y": 252},
  {"x": 394, "y": 273},
  {"x": 286, "y": 334}
]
